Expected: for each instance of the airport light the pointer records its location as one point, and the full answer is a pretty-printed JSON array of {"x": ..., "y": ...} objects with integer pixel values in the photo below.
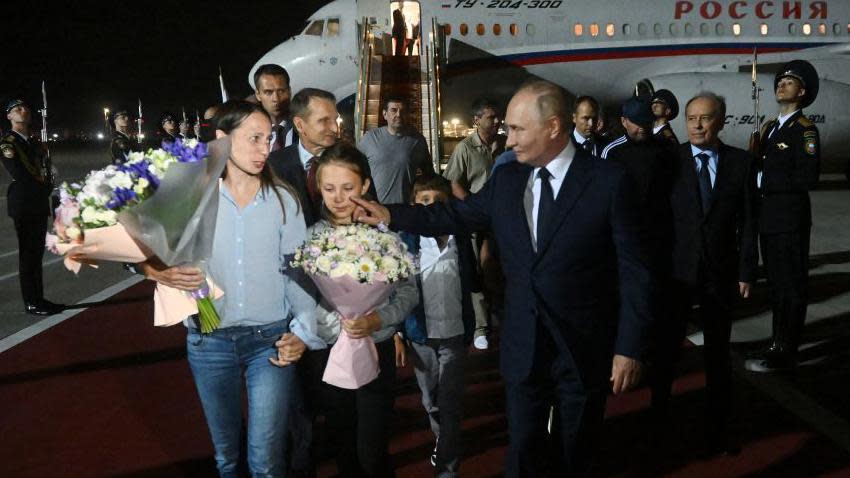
[
  {"x": 99, "y": 135},
  {"x": 106, "y": 118}
]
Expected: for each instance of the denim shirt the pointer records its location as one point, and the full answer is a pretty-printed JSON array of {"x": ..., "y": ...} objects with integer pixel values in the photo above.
[
  {"x": 250, "y": 262},
  {"x": 401, "y": 302}
]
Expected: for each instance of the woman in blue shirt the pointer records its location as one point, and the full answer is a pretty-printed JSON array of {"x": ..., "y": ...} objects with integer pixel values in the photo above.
[{"x": 259, "y": 224}]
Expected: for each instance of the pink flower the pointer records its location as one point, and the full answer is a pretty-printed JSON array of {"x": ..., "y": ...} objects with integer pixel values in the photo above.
[{"x": 50, "y": 242}]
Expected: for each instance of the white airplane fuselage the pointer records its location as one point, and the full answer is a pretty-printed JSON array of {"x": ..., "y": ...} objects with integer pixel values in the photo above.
[{"x": 606, "y": 48}]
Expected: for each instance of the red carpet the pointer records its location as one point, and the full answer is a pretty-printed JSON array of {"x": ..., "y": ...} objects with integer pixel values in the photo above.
[{"x": 107, "y": 394}]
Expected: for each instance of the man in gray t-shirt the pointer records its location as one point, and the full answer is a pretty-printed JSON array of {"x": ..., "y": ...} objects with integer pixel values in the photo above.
[{"x": 397, "y": 154}]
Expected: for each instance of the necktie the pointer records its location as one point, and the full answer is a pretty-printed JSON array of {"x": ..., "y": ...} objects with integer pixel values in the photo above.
[
  {"x": 704, "y": 182},
  {"x": 546, "y": 205},
  {"x": 279, "y": 138},
  {"x": 587, "y": 145},
  {"x": 312, "y": 187},
  {"x": 774, "y": 129}
]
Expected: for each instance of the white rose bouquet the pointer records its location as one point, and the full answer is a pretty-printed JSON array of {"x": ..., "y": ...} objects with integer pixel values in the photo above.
[
  {"x": 355, "y": 267},
  {"x": 162, "y": 202}
]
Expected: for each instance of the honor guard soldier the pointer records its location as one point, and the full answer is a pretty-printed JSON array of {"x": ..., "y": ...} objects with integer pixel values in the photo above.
[
  {"x": 185, "y": 129},
  {"x": 167, "y": 130},
  {"x": 122, "y": 143},
  {"x": 665, "y": 108},
  {"x": 788, "y": 167},
  {"x": 29, "y": 205}
]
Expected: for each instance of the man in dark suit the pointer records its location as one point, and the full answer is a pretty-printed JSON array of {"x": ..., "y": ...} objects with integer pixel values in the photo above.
[
  {"x": 714, "y": 257},
  {"x": 585, "y": 120},
  {"x": 576, "y": 289},
  {"x": 314, "y": 116}
]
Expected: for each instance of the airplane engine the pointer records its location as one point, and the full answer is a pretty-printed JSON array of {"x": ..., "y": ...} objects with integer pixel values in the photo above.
[{"x": 831, "y": 120}]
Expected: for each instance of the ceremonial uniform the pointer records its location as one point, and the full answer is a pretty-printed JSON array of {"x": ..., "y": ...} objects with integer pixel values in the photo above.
[
  {"x": 28, "y": 200},
  {"x": 122, "y": 146},
  {"x": 788, "y": 167},
  {"x": 665, "y": 134}
]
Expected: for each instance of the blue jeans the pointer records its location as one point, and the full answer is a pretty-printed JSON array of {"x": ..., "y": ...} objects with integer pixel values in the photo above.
[{"x": 218, "y": 361}]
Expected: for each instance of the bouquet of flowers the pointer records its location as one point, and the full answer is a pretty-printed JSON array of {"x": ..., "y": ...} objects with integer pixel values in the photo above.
[
  {"x": 163, "y": 203},
  {"x": 355, "y": 268}
]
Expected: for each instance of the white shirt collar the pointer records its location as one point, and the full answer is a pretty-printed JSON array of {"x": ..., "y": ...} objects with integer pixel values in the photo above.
[
  {"x": 24, "y": 138},
  {"x": 782, "y": 119},
  {"x": 303, "y": 154},
  {"x": 656, "y": 129},
  {"x": 695, "y": 150},
  {"x": 578, "y": 137},
  {"x": 559, "y": 166}
]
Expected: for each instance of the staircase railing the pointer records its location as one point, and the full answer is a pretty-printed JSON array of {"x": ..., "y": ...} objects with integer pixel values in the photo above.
[{"x": 366, "y": 52}]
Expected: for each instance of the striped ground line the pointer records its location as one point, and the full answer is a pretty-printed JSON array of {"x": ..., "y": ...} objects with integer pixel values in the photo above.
[
  {"x": 45, "y": 263},
  {"x": 39, "y": 327},
  {"x": 7, "y": 254}
]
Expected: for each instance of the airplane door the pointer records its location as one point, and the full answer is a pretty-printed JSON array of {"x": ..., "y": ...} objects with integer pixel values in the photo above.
[{"x": 334, "y": 51}]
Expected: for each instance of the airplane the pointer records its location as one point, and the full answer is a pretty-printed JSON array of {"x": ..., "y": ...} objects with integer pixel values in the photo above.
[{"x": 609, "y": 49}]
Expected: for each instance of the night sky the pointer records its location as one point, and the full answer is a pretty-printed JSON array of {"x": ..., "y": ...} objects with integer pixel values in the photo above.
[{"x": 107, "y": 54}]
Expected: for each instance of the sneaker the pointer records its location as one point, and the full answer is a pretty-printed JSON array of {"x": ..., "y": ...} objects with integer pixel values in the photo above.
[{"x": 481, "y": 343}]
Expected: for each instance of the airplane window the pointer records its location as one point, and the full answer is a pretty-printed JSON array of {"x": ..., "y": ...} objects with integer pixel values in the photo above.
[
  {"x": 529, "y": 29},
  {"x": 736, "y": 29},
  {"x": 497, "y": 29},
  {"x": 792, "y": 28},
  {"x": 720, "y": 29},
  {"x": 594, "y": 29},
  {"x": 447, "y": 29},
  {"x": 704, "y": 29},
  {"x": 578, "y": 29},
  {"x": 315, "y": 28},
  {"x": 674, "y": 29},
  {"x": 627, "y": 29},
  {"x": 763, "y": 29},
  {"x": 480, "y": 29},
  {"x": 822, "y": 29},
  {"x": 807, "y": 29},
  {"x": 464, "y": 29},
  {"x": 689, "y": 29},
  {"x": 836, "y": 29},
  {"x": 609, "y": 29},
  {"x": 514, "y": 29},
  {"x": 657, "y": 29},
  {"x": 333, "y": 27},
  {"x": 642, "y": 29}
]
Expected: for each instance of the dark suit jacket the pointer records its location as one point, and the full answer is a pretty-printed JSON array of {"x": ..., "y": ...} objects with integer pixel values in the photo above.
[
  {"x": 588, "y": 285},
  {"x": 286, "y": 164},
  {"x": 720, "y": 247}
]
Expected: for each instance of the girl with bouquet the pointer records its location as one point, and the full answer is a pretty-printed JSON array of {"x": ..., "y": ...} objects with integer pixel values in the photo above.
[
  {"x": 259, "y": 224},
  {"x": 358, "y": 419}
]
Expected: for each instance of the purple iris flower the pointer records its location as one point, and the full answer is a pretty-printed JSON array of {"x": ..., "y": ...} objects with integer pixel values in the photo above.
[
  {"x": 121, "y": 197},
  {"x": 183, "y": 152}
]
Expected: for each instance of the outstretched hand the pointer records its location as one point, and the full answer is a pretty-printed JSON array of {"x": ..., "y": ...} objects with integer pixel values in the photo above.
[{"x": 370, "y": 212}]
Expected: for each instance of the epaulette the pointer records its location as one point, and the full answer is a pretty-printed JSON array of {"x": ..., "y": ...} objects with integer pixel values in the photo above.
[
  {"x": 9, "y": 138},
  {"x": 767, "y": 127},
  {"x": 805, "y": 122},
  {"x": 667, "y": 133}
]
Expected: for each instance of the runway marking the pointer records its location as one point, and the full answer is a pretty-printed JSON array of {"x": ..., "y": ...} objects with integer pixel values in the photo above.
[
  {"x": 45, "y": 263},
  {"x": 39, "y": 327},
  {"x": 10, "y": 253}
]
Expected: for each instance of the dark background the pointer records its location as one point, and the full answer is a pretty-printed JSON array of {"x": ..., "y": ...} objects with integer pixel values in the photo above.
[{"x": 100, "y": 54}]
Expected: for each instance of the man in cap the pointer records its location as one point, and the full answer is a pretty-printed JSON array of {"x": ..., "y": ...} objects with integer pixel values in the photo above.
[
  {"x": 28, "y": 201},
  {"x": 586, "y": 118},
  {"x": 665, "y": 108},
  {"x": 122, "y": 143},
  {"x": 787, "y": 169},
  {"x": 185, "y": 129},
  {"x": 167, "y": 129}
]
